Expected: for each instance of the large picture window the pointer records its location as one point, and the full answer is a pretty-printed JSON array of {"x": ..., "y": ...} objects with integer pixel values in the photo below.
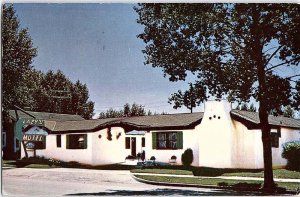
[
  {"x": 167, "y": 140},
  {"x": 40, "y": 145},
  {"x": 77, "y": 141}
]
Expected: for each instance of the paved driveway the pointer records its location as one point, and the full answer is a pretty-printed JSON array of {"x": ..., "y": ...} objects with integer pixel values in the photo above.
[{"x": 67, "y": 181}]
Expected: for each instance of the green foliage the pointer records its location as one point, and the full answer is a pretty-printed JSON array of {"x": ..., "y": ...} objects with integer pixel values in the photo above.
[
  {"x": 60, "y": 95},
  {"x": 291, "y": 152},
  {"x": 220, "y": 43},
  {"x": 187, "y": 157},
  {"x": 288, "y": 112},
  {"x": 233, "y": 49},
  {"x": 29, "y": 88},
  {"x": 17, "y": 56},
  {"x": 127, "y": 111},
  {"x": 244, "y": 106},
  {"x": 190, "y": 98},
  {"x": 296, "y": 96},
  {"x": 152, "y": 158}
]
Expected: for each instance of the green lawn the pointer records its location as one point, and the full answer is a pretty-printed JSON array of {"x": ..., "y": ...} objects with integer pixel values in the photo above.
[
  {"x": 212, "y": 172},
  {"x": 38, "y": 166},
  {"x": 278, "y": 173},
  {"x": 8, "y": 163},
  {"x": 163, "y": 171},
  {"x": 216, "y": 182}
]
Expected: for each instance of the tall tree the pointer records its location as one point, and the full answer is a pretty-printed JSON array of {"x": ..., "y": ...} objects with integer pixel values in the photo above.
[
  {"x": 190, "y": 98},
  {"x": 127, "y": 111},
  {"x": 58, "y": 94},
  {"x": 228, "y": 48},
  {"x": 17, "y": 56}
]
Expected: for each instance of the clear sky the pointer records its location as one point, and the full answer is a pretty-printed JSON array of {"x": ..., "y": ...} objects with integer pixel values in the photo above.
[{"x": 98, "y": 44}]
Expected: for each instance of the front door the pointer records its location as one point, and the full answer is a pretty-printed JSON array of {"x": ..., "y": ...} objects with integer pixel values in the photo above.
[{"x": 133, "y": 146}]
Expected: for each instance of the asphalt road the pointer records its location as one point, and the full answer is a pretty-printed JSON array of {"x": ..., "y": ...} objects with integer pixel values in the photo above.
[{"x": 67, "y": 181}]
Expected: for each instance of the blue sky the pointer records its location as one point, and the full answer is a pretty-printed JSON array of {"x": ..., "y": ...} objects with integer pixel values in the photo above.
[{"x": 97, "y": 44}]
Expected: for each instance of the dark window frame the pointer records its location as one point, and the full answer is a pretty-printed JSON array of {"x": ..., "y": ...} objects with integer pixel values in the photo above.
[
  {"x": 58, "y": 141},
  {"x": 127, "y": 142},
  {"x": 167, "y": 141},
  {"x": 143, "y": 142},
  {"x": 40, "y": 145},
  {"x": 3, "y": 139},
  {"x": 72, "y": 141},
  {"x": 275, "y": 140}
]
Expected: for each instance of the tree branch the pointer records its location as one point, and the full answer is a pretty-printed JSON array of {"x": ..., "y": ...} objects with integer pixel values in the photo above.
[
  {"x": 273, "y": 54},
  {"x": 270, "y": 49},
  {"x": 293, "y": 76},
  {"x": 281, "y": 64}
]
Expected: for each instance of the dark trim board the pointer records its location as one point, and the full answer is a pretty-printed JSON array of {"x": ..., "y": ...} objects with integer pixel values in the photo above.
[{"x": 129, "y": 127}]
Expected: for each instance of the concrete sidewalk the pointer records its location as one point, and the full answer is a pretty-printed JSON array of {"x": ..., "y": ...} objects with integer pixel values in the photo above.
[{"x": 220, "y": 177}]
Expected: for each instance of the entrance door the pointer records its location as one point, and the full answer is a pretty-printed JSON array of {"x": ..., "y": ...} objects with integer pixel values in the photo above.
[{"x": 133, "y": 146}]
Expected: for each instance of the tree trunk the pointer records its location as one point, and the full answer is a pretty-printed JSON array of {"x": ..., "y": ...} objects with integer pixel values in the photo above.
[
  {"x": 267, "y": 149},
  {"x": 263, "y": 106}
]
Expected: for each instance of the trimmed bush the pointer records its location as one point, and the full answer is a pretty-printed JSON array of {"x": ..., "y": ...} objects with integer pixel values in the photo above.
[
  {"x": 187, "y": 157},
  {"x": 152, "y": 158},
  {"x": 291, "y": 152}
]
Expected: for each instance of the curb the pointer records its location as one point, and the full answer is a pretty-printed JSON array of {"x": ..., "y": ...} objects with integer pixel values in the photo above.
[{"x": 208, "y": 186}]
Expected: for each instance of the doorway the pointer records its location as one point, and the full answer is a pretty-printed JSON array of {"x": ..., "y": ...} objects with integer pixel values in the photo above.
[{"x": 133, "y": 146}]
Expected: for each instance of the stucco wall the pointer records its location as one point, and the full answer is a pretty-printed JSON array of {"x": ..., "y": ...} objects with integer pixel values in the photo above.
[
  {"x": 108, "y": 151},
  {"x": 100, "y": 151},
  {"x": 62, "y": 153},
  {"x": 249, "y": 149},
  {"x": 163, "y": 155},
  {"x": 215, "y": 135},
  {"x": 246, "y": 147},
  {"x": 287, "y": 135}
]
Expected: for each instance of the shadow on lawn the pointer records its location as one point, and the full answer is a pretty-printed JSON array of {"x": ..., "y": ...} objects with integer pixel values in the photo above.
[
  {"x": 166, "y": 191},
  {"x": 206, "y": 171}
]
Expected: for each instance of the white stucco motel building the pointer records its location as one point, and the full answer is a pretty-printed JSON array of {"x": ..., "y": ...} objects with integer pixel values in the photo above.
[{"x": 219, "y": 137}]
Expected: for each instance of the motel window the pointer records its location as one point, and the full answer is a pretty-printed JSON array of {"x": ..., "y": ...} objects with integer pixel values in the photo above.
[
  {"x": 3, "y": 139},
  {"x": 143, "y": 142},
  {"x": 17, "y": 144},
  {"x": 275, "y": 140},
  {"x": 167, "y": 140},
  {"x": 127, "y": 142},
  {"x": 58, "y": 141},
  {"x": 40, "y": 145},
  {"x": 76, "y": 141}
]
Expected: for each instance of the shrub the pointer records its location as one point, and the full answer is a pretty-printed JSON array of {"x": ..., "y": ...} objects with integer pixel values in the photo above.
[
  {"x": 143, "y": 156},
  {"x": 187, "y": 157},
  {"x": 139, "y": 155},
  {"x": 291, "y": 152},
  {"x": 174, "y": 157},
  {"x": 152, "y": 158},
  {"x": 130, "y": 157}
]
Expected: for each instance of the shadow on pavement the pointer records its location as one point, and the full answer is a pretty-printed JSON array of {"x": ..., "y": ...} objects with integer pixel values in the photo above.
[{"x": 161, "y": 192}]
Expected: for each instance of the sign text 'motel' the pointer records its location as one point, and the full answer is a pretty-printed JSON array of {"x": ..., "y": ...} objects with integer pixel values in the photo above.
[
  {"x": 33, "y": 138},
  {"x": 26, "y": 121}
]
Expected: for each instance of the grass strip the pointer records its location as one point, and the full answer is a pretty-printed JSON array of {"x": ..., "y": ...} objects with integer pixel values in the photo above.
[
  {"x": 217, "y": 182},
  {"x": 278, "y": 173},
  {"x": 213, "y": 172},
  {"x": 38, "y": 166},
  {"x": 163, "y": 171}
]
